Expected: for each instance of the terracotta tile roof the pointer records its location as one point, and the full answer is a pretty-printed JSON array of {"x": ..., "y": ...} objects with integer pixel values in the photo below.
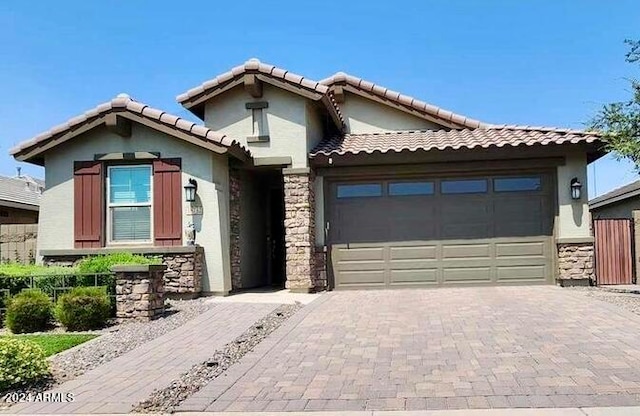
[
  {"x": 20, "y": 190},
  {"x": 496, "y": 136},
  {"x": 196, "y": 96},
  {"x": 363, "y": 87},
  {"x": 123, "y": 104},
  {"x": 619, "y": 194}
]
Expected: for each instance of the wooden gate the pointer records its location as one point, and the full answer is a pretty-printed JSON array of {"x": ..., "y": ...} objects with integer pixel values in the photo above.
[{"x": 613, "y": 251}]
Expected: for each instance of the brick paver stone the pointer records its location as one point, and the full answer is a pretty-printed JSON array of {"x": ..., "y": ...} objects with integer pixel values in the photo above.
[
  {"x": 122, "y": 383},
  {"x": 415, "y": 349}
]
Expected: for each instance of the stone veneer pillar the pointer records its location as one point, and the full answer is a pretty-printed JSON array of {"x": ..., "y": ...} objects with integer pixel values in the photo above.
[
  {"x": 575, "y": 263},
  {"x": 235, "y": 189},
  {"x": 139, "y": 292},
  {"x": 299, "y": 224}
]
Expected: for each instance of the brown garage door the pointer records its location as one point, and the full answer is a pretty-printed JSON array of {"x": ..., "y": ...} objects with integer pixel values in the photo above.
[{"x": 441, "y": 231}]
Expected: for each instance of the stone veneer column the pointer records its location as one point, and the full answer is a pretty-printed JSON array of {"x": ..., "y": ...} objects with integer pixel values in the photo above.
[
  {"x": 299, "y": 224},
  {"x": 575, "y": 263},
  {"x": 139, "y": 292},
  {"x": 235, "y": 189}
]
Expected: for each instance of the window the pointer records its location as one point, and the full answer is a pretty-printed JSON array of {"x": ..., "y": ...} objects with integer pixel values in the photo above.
[
  {"x": 517, "y": 184},
  {"x": 469, "y": 186},
  {"x": 129, "y": 203},
  {"x": 411, "y": 188},
  {"x": 360, "y": 190}
]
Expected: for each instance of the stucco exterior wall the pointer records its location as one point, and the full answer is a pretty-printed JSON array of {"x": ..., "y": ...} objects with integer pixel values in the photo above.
[
  {"x": 366, "y": 116},
  {"x": 573, "y": 216},
  {"x": 314, "y": 124},
  {"x": 622, "y": 209},
  {"x": 210, "y": 170},
  {"x": 285, "y": 122}
]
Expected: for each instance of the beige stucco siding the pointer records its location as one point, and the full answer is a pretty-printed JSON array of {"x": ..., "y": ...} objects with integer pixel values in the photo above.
[
  {"x": 573, "y": 216},
  {"x": 285, "y": 122},
  {"x": 210, "y": 170},
  {"x": 366, "y": 116}
]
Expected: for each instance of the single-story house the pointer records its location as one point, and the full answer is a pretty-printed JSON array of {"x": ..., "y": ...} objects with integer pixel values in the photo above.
[
  {"x": 20, "y": 199},
  {"x": 339, "y": 183},
  {"x": 619, "y": 203}
]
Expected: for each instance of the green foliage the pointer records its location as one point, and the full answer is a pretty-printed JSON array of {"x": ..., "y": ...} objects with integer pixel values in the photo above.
[
  {"x": 619, "y": 122},
  {"x": 83, "y": 308},
  {"x": 26, "y": 270},
  {"x": 103, "y": 264},
  {"x": 53, "y": 343},
  {"x": 28, "y": 311},
  {"x": 21, "y": 362}
]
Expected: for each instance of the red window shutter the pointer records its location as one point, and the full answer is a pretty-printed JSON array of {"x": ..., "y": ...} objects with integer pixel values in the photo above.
[
  {"x": 167, "y": 202},
  {"x": 88, "y": 183}
]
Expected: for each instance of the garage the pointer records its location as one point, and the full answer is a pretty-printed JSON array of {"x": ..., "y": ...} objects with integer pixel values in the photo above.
[{"x": 441, "y": 231}]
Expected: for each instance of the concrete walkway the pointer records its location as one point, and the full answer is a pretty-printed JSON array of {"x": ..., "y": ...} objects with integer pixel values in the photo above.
[{"x": 122, "y": 383}]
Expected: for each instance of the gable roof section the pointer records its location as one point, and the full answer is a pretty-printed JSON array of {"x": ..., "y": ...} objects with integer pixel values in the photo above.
[
  {"x": 195, "y": 98},
  {"x": 497, "y": 136},
  {"x": 20, "y": 192},
  {"x": 402, "y": 102},
  {"x": 128, "y": 108},
  {"x": 617, "y": 195}
]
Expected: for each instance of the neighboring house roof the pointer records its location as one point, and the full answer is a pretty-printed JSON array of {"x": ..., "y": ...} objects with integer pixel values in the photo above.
[
  {"x": 617, "y": 195},
  {"x": 127, "y": 107},
  {"x": 497, "y": 136},
  {"x": 20, "y": 192},
  {"x": 195, "y": 98},
  {"x": 416, "y": 107}
]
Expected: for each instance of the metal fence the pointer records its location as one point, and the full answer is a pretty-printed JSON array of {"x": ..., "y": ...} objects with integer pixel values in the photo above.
[{"x": 56, "y": 285}]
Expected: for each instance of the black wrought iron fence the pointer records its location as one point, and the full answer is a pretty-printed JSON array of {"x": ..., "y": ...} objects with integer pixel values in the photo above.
[{"x": 55, "y": 285}]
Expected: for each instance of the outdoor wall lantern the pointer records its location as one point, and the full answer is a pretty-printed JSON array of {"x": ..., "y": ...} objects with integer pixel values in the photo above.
[
  {"x": 190, "y": 190},
  {"x": 576, "y": 188}
]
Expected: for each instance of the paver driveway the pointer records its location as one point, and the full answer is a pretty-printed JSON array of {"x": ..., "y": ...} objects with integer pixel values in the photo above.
[{"x": 442, "y": 348}]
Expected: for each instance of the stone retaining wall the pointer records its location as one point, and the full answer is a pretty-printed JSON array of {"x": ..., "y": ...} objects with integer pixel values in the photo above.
[
  {"x": 182, "y": 278},
  {"x": 139, "y": 292},
  {"x": 575, "y": 263}
]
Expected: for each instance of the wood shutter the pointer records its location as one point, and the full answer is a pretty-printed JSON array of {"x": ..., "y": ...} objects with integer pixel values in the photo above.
[
  {"x": 88, "y": 183},
  {"x": 167, "y": 202}
]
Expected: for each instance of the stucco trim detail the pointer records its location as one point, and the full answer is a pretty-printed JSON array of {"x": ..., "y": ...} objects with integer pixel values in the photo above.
[
  {"x": 108, "y": 250},
  {"x": 272, "y": 161},
  {"x": 296, "y": 171},
  {"x": 575, "y": 240}
]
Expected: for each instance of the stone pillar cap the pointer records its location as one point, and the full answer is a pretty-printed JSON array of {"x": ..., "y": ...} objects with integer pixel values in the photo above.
[{"x": 137, "y": 268}]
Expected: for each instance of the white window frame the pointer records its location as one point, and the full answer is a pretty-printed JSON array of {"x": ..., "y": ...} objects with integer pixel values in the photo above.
[{"x": 109, "y": 205}]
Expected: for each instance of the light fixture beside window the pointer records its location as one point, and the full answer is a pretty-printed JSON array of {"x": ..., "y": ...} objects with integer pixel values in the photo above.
[
  {"x": 190, "y": 190},
  {"x": 576, "y": 189}
]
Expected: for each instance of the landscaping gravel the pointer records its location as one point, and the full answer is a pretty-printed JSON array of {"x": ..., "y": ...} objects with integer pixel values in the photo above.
[
  {"x": 628, "y": 301},
  {"x": 113, "y": 342},
  {"x": 167, "y": 399}
]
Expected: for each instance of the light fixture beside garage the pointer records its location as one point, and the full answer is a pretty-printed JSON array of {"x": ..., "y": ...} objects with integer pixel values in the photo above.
[
  {"x": 190, "y": 190},
  {"x": 576, "y": 188}
]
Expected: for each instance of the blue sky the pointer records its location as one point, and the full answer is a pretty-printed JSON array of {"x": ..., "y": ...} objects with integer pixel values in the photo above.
[{"x": 536, "y": 62}]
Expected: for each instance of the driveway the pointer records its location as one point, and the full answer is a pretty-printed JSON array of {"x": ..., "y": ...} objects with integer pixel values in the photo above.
[{"x": 439, "y": 348}]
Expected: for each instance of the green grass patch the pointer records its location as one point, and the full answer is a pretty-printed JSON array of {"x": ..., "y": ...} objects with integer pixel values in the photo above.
[{"x": 54, "y": 343}]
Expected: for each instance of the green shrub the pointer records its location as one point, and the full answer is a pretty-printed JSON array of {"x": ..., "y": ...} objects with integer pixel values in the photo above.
[
  {"x": 28, "y": 311},
  {"x": 103, "y": 263},
  {"x": 83, "y": 308},
  {"x": 21, "y": 362}
]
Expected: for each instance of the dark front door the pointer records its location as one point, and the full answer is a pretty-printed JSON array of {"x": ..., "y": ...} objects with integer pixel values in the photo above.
[{"x": 275, "y": 242}]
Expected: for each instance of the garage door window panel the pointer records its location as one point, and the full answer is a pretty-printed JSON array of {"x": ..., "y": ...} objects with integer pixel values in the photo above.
[
  {"x": 464, "y": 186},
  {"x": 522, "y": 184},
  {"x": 363, "y": 190},
  {"x": 411, "y": 188}
]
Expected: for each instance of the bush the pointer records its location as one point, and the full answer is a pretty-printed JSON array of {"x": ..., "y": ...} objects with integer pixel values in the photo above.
[
  {"x": 28, "y": 311},
  {"x": 21, "y": 362},
  {"x": 83, "y": 308},
  {"x": 103, "y": 263}
]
